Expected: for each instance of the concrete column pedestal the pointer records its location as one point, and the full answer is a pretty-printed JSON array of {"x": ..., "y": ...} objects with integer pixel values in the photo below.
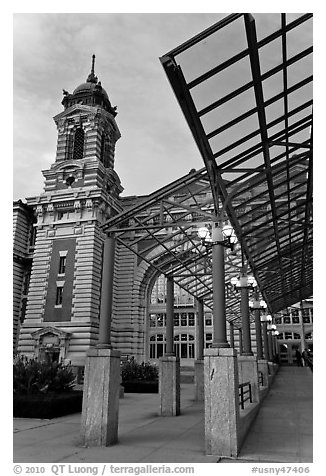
[
  {"x": 100, "y": 411},
  {"x": 169, "y": 386},
  {"x": 199, "y": 380},
  {"x": 263, "y": 367},
  {"x": 221, "y": 402},
  {"x": 248, "y": 372}
]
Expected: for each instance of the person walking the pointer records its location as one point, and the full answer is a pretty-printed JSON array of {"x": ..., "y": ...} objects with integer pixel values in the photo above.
[
  {"x": 298, "y": 357},
  {"x": 309, "y": 359}
]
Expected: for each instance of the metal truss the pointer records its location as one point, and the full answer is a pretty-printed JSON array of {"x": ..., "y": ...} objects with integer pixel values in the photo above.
[{"x": 162, "y": 230}]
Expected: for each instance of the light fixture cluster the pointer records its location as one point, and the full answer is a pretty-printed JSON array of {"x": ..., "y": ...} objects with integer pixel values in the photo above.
[
  {"x": 225, "y": 236},
  {"x": 266, "y": 318},
  {"x": 229, "y": 238},
  {"x": 257, "y": 305},
  {"x": 270, "y": 327},
  {"x": 243, "y": 281}
]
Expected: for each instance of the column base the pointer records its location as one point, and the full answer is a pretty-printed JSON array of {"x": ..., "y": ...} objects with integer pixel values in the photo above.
[
  {"x": 220, "y": 345},
  {"x": 103, "y": 346},
  {"x": 169, "y": 386},
  {"x": 221, "y": 402},
  {"x": 100, "y": 411}
]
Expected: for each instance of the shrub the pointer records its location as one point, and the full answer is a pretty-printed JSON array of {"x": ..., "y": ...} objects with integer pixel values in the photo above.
[
  {"x": 132, "y": 370},
  {"x": 33, "y": 377}
]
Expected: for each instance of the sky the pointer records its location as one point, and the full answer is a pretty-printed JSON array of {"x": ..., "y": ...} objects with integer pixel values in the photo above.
[{"x": 54, "y": 51}]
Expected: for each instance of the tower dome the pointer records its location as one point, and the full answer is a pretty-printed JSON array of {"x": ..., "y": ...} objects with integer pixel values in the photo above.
[{"x": 90, "y": 93}]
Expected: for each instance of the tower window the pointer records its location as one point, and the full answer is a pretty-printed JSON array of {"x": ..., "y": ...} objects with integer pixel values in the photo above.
[
  {"x": 59, "y": 295},
  {"x": 79, "y": 144},
  {"x": 62, "y": 264},
  {"x": 105, "y": 150},
  {"x": 32, "y": 236}
]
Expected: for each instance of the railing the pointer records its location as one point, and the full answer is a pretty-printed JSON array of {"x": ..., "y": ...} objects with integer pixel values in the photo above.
[
  {"x": 244, "y": 393},
  {"x": 260, "y": 378}
]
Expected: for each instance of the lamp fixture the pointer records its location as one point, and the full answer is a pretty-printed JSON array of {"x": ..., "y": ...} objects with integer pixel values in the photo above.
[
  {"x": 243, "y": 281},
  {"x": 266, "y": 318},
  {"x": 228, "y": 241},
  {"x": 257, "y": 305}
]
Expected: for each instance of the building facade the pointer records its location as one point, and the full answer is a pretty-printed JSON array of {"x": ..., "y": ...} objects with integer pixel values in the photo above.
[{"x": 295, "y": 327}]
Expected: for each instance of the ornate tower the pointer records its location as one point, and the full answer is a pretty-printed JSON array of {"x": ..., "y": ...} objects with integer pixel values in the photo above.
[{"x": 81, "y": 191}]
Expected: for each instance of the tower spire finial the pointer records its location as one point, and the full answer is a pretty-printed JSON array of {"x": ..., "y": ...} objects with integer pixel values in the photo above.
[
  {"x": 93, "y": 64},
  {"x": 91, "y": 77}
]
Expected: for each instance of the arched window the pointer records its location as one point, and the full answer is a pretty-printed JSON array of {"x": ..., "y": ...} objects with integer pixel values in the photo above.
[
  {"x": 184, "y": 346},
  {"x": 156, "y": 346},
  {"x": 79, "y": 139},
  {"x": 159, "y": 291}
]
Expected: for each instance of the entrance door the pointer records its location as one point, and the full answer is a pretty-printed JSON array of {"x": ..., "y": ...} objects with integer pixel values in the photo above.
[
  {"x": 184, "y": 346},
  {"x": 287, "y": 353}
]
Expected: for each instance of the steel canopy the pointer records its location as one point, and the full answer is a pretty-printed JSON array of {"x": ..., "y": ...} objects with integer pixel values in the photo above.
[{"x": 245, "y": 88}]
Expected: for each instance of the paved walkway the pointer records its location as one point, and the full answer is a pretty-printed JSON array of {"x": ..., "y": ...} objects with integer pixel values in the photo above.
[{"x": 282, "y": 431}]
